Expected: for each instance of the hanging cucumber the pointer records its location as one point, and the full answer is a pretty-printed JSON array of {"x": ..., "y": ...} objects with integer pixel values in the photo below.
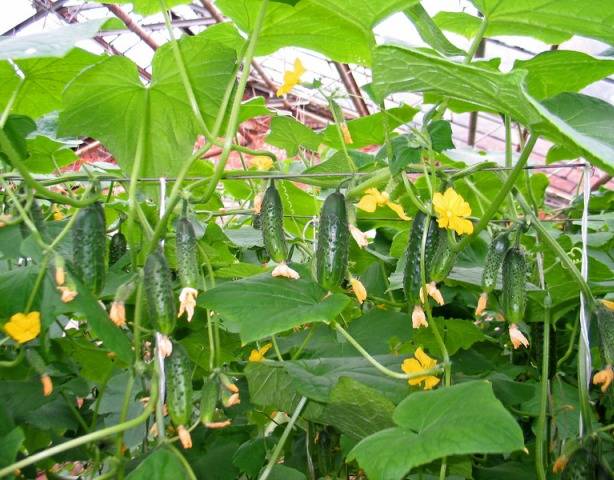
[
  {"x": 179, "y": 392},
  {"x": 272, "y": 213},
  {"x": 208, "y": 400},
  {"x": 188, "y": 266},
  {"x": 412, "y": 277},
  {"x": 497, "y": 250},
  {"x": 514, "y": 285},
  {"x": 605, "y": 325},
  {"x": 117, "y": 247},
  {"x": 89, "y": 246},
  {"x": 272, "y": 216},
  {"x": 159, "y": 292},
  {"x": 443, "y": 258},
  {"x": 333, "y": 242}
]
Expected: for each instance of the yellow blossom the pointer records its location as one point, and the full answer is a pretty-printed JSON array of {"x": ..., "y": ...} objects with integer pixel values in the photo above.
[
  {"x": 517, "y": 337},
  {"x": 291, "y": 78},
  {"x": 283, "y": 270},
  {"x": 433, "y": 292},
  {"x": 452, "y": 210},
  {"x": 258, "y": 202},
  {"x": 347, "y": 136},
  {"x": 418, "y": 318},
  {"x": 359, "y": 290},
  {"x": 187, "y": 302},
  {"x": 117, "y": 314},
  {"x": 418, "y": 364},
  {"x": 373, "y": 198},
  {"x": 359, "y": 236},
  {"x": 482, "y": 302},
  {"x": 47, "y": 385},
  {"x": 57, "y": 214},
  {"x": 184, "y": 437},
  {"x": 604, "y": 378},
  {"x": 261, "y": 162},
  {"x": 23, "y": 327},
  {"x": 560, "y": 464},
  {"x": 258, "y": 355},
  {"x": 609, "y": 304},
  {"x": 67, "y": 294}
]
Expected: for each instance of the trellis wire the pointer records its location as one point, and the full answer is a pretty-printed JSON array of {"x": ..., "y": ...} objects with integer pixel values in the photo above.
[{"x": 280, "y": 176}]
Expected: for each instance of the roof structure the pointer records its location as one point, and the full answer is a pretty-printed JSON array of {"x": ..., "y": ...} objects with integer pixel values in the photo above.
[{"x": 137, "y": 38}]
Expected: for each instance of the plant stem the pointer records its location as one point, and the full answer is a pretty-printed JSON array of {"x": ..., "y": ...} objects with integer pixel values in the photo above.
[
  {"x": 378, "y": 177},
  {"x": 555, "y": 247},
  {"x": 540, "y": 434},
  {"x": 10, "y": 103},
  {"x": 498, "y": 200},
  {"x": 282, "y": 440},
  {"x": 233, "y": 120},
  {"x": 475, "y": 43},
  {"x": 90, "y": 437},
  {"x": 379, "y": 366},
  {"x": 188, "y": 468},
  {"x": 37, "y": 283}
]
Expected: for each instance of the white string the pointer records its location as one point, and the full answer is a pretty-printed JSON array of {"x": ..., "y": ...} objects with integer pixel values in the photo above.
[
  {"x": 584, "y": 313},
  {"x": 162, "y": 202},
  {"x": 160, "y": 339}
]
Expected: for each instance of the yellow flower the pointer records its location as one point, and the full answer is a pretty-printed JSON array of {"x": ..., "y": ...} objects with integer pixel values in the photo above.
[
  {"x": 418, "y": 318},
  {"x": 23, "y": 327},
  {"x": 187, "y": 302},
  {"x": 451, "y": 210},
  {"x": 418, "y": 364},
  {"x": 283, "y": 270},
  {"x": 47, "y": 385},
  {"x": 560, "y": 464},
  {"x": 261, "y": 162},
  {"x": 291, "y": 78},
  {"x": 604, "y": 378},
  {"x": 347, "y": 136},
  {"x": 57, "y": 214},
  {"x": 517, "y": 337},
  {"x": 359, "y": 237},
  {"x": 373, "y": 198},
  {"x": 258, "y": 355},
  {"x": 359, "y": 290},
  {"x": 117, "y": 313},
  {"x": 609, "y": 304},
  {"x": 482, "y": 303}
]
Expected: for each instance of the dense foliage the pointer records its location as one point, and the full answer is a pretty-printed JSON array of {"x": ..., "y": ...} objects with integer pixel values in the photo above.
[{"x": 409, "y": 313}]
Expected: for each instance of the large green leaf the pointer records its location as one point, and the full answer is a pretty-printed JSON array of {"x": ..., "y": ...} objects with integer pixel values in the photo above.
[
  {"x": 358, "y": 410},
  {"x": 340, "y": 30},
  {"x": 370, "y": 130},
  {"x": 315, "y": 378},
  {"x": 162, "y": 463},
  {"x": 549, "y": 72},
  {"x": 47, "y": 155},
  {"x": 398, "y": 69},
  {"x": 459, "y": 420},
  {"x": 49, "y": 44},
  {"x": 581, "y": 121},
  {"x": 109, "y": 102},
  {"x": 552, "y": 22},
  {"x": 260, "y": 306},
  {"x": 430, "y": 32},
  {"x": 44, "y": 80},
  {"x": 289, "y": 134}
]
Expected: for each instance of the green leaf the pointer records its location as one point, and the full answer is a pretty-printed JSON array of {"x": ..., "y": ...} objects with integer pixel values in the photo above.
[
  {"x": 458, "y": 420},
  {"x": 456, "y": 334},
  {"x": 289, "y": 134},
  {"x": 250, "y": 457},
  {"x": 44, "y": 79},
  {"x": 149, "y": 7},
  {"x": 583, "y": 122},
  {"x": 15, "y": 288},
  {"x": 271, "y": 386},
  {"x": 405, "y": 151},
  {"x": 282, "y": 472},
  {"x": 392, "y": 328},
  {"x": 261, "y": 306},
  {"x": 161, "y": 463},
  {"x": 370, "y": 130},
  {"x": 340, "y": 30},
  {"x": 315, "y": 378},
  {"x": 254, "y": 107},
  {"x": 430, "y": 32},
  {"x": 551, "y": 22},
  {"x": 357, "y": 410},
  {"x": 460, "y": 23},
  {"x": 55, "y": 43},
  {"x": 10, "y": 445},
  {"x": 539, "y": 184},
  {"x": 47, "y": 155},
  {"x": 441, "y": 135},
  {"x": 549, "y": 72},
  {"x": 17, "y": 128},
  {"x": 109, "y": 102},
  {"x": 398, "y": 69}
]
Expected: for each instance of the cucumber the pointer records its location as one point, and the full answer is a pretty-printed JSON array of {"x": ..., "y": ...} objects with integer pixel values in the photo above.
[
  {"x": 514, "y": 285},
  {"x": 89, "y": 246},
  {"x": 188, "y": 266},
  {"x": 605, "y": 325},
  {"x": 117, "y": 247},
  {"x": 443, "y": 258},
  {"x": 412, "y": 280},
  {"x": 208, "y": 400},
  {"x": 179, "y": 386},
  {"x": 333, "y": 242},
  {"x": 272, "y": 213},
  {"x": 494, "y": 259},
  {"x": 159, "y": 292}
]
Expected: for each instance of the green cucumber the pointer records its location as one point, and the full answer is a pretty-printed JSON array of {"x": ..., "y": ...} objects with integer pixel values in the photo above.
[
  {"x": 494, "y": 259},
  {"x": 514, "y": 285},
  {"x": 89, "y": 246},
  {"x": 179, "y": 386},
  {"x": 272, "y": 213},
  {"x": 605, "y": 325},
  {"x": 208, "y": 400},
  {"x": 159, "y": 292},
  {"x": 117, "y": 247},
  {"x": 443, "y": 258},
  {"x": 412, "y": 277},
  {"x": 188, "y": 266},
  {"x": 333, "y": 242}
]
